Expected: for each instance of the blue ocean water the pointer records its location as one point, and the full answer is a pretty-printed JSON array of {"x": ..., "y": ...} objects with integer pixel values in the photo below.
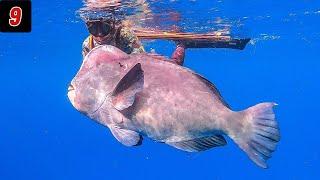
[{"x": 43, "y": 137}]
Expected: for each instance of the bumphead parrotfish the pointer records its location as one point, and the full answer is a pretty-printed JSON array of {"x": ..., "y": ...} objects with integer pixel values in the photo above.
[{"x": 146, "y": 95}]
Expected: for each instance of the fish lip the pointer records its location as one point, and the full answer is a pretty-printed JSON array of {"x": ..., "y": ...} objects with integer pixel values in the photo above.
[
  {"x": 71, "y": 95},
  {"x": 70, "y": 88}
]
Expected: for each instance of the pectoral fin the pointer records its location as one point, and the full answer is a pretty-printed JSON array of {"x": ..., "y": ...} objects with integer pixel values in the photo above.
[
  {"x": 126, "y": 137},
  {"x": 199, "y": 144},
  {"x": 123, "y": 95}
]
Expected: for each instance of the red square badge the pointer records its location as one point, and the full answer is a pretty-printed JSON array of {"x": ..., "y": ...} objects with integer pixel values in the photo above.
[{"x": 15, "y": 16}]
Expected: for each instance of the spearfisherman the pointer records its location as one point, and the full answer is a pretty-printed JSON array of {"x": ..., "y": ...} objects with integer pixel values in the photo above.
[{"x": 115, "y": 33}]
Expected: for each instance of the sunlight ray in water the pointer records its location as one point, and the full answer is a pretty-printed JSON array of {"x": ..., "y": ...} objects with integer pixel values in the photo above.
[{"x": 237, "y": 20}]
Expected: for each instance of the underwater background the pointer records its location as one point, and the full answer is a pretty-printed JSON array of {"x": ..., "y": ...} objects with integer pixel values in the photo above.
[{"x": 43, "y": 137}]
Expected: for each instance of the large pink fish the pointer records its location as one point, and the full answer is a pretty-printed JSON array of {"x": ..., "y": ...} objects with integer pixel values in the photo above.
[{"x": 145, "y": 95}]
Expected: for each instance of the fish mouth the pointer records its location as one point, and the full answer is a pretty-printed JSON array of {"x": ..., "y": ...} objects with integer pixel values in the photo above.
[{"x": 70, "y": 88}]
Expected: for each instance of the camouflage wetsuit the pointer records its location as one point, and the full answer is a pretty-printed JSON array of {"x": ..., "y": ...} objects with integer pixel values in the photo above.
[{"x": 123, "y": 38}]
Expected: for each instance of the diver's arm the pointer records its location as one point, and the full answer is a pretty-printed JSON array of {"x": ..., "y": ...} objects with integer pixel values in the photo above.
[
  {"x": 85, "y": 47},
  {"x": 178, "y": 54}
]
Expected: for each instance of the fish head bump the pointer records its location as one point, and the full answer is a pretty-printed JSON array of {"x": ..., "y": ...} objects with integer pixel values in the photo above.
[{"x": 96, "y": 79}]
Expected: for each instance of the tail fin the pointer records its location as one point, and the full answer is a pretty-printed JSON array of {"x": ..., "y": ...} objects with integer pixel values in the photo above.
[{"x": 260, "y": 133}]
